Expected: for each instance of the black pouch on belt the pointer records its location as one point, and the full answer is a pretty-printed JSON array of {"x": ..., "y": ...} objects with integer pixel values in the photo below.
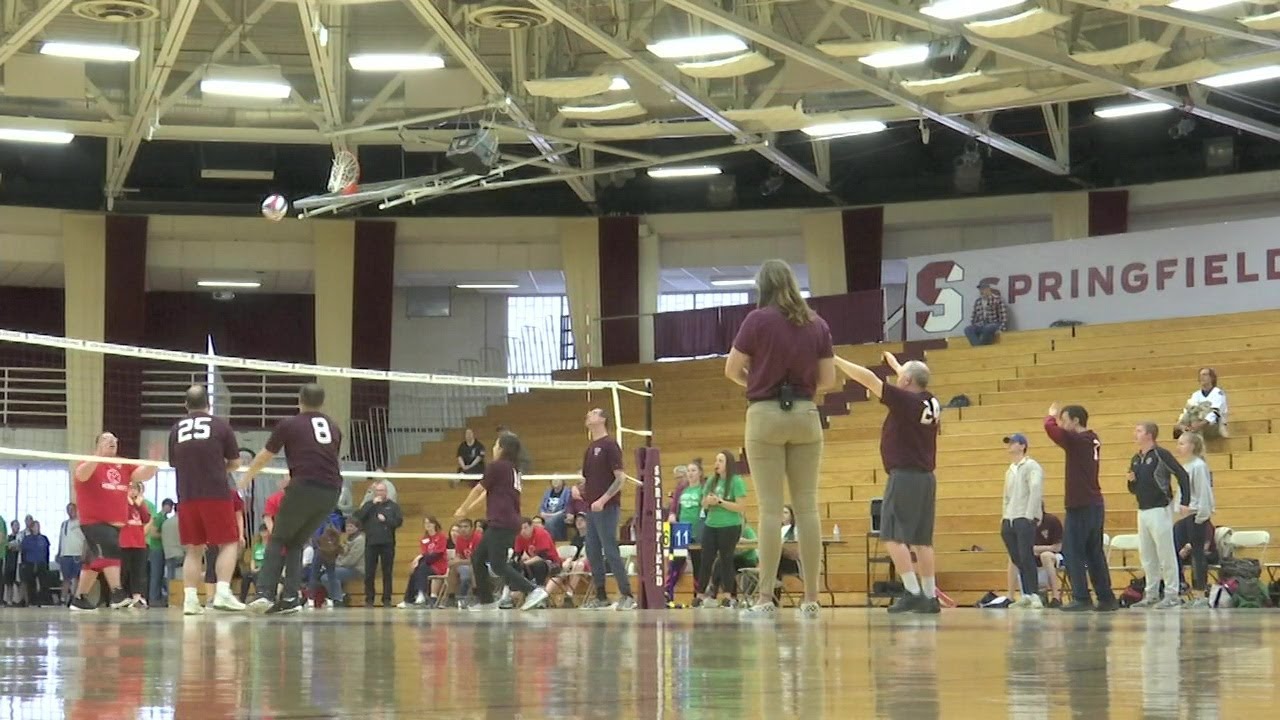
[{"x": 786, "y": 396}]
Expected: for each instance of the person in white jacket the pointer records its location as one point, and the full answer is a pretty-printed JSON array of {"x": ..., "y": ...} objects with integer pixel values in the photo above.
[
  {"x": 1023, "y": 504},
  {"x": 1194, "y": 529},
  {"x": 1210, "y": 397}
]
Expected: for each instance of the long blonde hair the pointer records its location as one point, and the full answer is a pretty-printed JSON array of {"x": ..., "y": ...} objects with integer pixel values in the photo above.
[{"x": 778, "y": 288}]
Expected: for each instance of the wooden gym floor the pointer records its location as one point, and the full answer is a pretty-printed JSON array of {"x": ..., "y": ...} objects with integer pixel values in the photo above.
[{"x": 660, "y": 664}]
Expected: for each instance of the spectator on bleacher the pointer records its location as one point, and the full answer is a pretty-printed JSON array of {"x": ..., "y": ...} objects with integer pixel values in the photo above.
[
  {"x": 686, "y": 507},
  {"x": 1023, "y": 503},
  {"x": 350, "y": 562},
  {"x": 681, "y": 477},
  {"x": 257, "y": 554},
  {"x": 324, "y": 564},
  {"x": 458, "y": 581},
  {"x": 380, "y": 517},
  {"x": 789, "y": 564},
  {"x": 1194, "y": 532},
  {"x": 1206, "y": 409},
  {"x": 133, "y": 546},
  {"x": 70, "y": 548},
  {"x": 990, "y": 316},
  {"x": 1085, "y": 558},
  {"x": 1149, "y": 481},
  {"x": 722, "y": 505},
  {"x": 782, "y": 356},
  {"x": 432, "y": 560},
  {"x": 554, "y": 506},
  {"x": 35, "y": 565},
  {"x": 535, "y": 554},
  {"x": 157, "y": 588},
  {"x": 574, "y": 569},
  {"x": 392, "y": 495},
  {"x": 470, "y": 456},
  {"x": 1048, "y": 555}
]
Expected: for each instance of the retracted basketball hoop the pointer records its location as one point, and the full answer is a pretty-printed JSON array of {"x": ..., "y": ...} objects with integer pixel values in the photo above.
[{"x": 344, "y": 175}]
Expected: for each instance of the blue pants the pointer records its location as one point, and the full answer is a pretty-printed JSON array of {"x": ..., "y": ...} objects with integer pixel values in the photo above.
[
  {"x": 982, "y": 334},
  {"x": 1083, "y": 555},
  {"x": 157, "y": 585},
  {"x": 602, "y": 547}
]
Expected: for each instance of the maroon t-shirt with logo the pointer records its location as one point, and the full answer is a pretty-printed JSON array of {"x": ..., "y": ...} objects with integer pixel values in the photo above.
[
  {"x": 909, "y": 436},
  {"x": 602, "y": 458},
  {"x": 199, "y": 447},
  {"x": 781, "y": 352},
  {"x": 311, "y": 442},
  {"x": 1049, "y": 531},
  {"x": 501, "y": 483}
]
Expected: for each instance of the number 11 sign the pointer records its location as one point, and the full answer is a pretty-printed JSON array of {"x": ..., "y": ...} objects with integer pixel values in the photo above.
[{"x": 677, "y": 536}]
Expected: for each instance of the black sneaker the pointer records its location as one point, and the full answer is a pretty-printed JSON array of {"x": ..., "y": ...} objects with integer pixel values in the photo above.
[
  {"x": 1077, "y": 606},
  {"x": 1107, "y": 606},
  {"x": 120, "y": 599},
  {"x": 907, "y": 602},
  {"x": 928, "y": 606},
  {"x": 82, "y": 604},
  {"x": 1055, "y": 604},
  {"x": 286, "y": 607}
]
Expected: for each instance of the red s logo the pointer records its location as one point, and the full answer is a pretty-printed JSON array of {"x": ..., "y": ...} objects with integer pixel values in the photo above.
[{"x": 946, "y": 304}]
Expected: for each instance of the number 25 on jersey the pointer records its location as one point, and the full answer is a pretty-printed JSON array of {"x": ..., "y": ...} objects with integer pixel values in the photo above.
[{"x": 196, "y": 428}]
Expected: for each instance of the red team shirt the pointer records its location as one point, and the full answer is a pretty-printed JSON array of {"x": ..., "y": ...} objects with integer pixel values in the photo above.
[
  {"x": 132, "y": 534},
  {"x": 437, "y": 544},
  {"x": 539, "y": 544},
  {"x": 463, "y": 546},
  {"x": 103, "y": 499},
  {"x": 272, "y": 506}
]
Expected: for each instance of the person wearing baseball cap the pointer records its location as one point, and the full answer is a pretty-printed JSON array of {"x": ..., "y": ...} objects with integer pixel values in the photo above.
[
  {"x": 990, "y": 316},
  {"x": 1023, "y": 504}
]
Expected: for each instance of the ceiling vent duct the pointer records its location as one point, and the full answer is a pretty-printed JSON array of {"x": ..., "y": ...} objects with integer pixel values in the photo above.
[
  {"x": 506, "y": 16},
  {"x": 115, "y": 11}
]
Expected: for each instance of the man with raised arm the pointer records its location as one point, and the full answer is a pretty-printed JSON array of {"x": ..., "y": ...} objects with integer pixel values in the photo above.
[
  {"x": 909, "y": 450},
  {"x": 311, "y": 442}
]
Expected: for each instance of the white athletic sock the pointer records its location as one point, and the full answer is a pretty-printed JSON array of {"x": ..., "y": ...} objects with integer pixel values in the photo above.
[
  {"x": 223, "y": 588},
  {"x": 910, "y": 583},
  {"x": 927, "y": 586},
  {"x": 190, "y": 595}
]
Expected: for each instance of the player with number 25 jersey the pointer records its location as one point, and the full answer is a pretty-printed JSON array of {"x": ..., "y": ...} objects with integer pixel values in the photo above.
[{"x": 201, "y": 449}]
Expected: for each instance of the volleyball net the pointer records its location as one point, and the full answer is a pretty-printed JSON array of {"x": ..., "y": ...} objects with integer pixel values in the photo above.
[{"x": 57, "y": 395}]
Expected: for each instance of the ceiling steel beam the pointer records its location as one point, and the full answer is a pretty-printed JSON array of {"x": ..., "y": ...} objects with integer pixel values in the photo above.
[
  {"x": 46, "y": 11},
  {"x": 1024, "y": 53},
  {"x": 328, "y": 79},
  {"x": 874, "y": 86},
  {"x": 619, "y": 52},
  {"x": 1195, "y": 21},
  {"x": 184, "y": 12},
  {"x": 815, "y": 34},
  {"x": 432, "y": 17},
  {"x": 228, "y": 43}
]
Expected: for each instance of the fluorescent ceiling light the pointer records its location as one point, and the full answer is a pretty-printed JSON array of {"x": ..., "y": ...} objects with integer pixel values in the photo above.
[
  {"x": 619, "y": 83},
  {"x": 683, "y": 172},
  {"x": 49, "y": 137},
  {"x": 1131, "y": 109},
  {"x": 487, "y": 286},
  {"x": 234, "y": 174},
  {"x": 838, "y": 129},
  {"x": 1200, "y": 5},
  {"x": 228, "y": 283},
  {"x": 955, "y": 9},
  {"x": 87, "y": 51},
  {"x": 264, "y": 89},
  {"x": 587, "y": 109},
  {"x": 737, "y": 282},
  {"x": 395, "y": 62},
  {"x": 700, "y": 46},
  {"x": 909, "y": 55},
  {"x": 1240, "y": 77}
]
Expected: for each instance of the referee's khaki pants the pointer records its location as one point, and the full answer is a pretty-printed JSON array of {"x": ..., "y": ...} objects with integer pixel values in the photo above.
[{"x": 785, "y": 447}]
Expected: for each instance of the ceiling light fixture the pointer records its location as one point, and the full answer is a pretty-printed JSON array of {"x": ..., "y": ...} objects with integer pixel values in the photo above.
[
  {"x": 395, "y": 62},
  {"x": 619, "y": 83},
  {"x": 89, "y": 51},
  {"x": 262, "y": 89},
  {"x": 735, "y": 282},
  {"x": 1131, "y": 109},
  {"x": 909, "y": 55},
  {"x": 956, "y": 9},
  {"x": 1240, "y": 77},
  {"x": 48, "y": 137},
  {"x": 683, "y": 172},
  {"x": 843, "y": 128},
  {"x": 228, "y": 283},
  {"x": 700, "y": 46},
  {"x": 487, "y": 286},
  {"x": 588, "y": 109},
  {"x": 1200, "y": 5}
]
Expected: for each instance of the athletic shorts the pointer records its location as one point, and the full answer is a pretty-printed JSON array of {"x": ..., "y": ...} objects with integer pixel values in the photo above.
[
  {"x": 910, "y": 500},
  {"x": 101, "y": 542},
  {"x": 207, "y": 522}
]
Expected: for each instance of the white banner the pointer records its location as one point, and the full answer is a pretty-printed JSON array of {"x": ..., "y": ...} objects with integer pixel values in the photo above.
[{"x": 1203, "y": 270}]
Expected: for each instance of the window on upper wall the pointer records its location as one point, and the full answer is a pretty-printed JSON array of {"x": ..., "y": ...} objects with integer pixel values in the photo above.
[
  {"x": 673, "y": 302},
  {"x": 538, "y": 337}
]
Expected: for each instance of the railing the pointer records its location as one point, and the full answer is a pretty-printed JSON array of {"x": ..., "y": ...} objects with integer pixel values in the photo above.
[{"x": 33, "y": 396}]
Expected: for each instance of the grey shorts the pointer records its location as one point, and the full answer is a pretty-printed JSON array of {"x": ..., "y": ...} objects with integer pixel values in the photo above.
[{"x": 910, "y": 501}]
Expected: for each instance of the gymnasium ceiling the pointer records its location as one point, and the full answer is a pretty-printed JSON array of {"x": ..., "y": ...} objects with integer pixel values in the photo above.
[{"x": 1019, "y": 107}]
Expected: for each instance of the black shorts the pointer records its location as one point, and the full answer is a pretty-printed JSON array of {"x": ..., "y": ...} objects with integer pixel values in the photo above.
[
  {"x": 910, "y": 500},
  {"x": 101, "y": 542}
]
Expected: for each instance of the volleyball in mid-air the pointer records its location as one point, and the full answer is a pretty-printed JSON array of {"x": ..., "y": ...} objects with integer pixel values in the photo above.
[{"x": 275, "y": 207}]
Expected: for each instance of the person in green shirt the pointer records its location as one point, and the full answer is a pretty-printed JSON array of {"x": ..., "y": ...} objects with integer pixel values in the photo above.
[
  {"x": 256, "y": 556},
  {"x": 687, "y": 508},
  {"x": 722, "y": 506}
]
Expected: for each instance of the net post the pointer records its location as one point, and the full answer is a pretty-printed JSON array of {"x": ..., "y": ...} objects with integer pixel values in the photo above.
[
  {"x": 649, "y": 550},
  {"x": 648, "y": 412}
]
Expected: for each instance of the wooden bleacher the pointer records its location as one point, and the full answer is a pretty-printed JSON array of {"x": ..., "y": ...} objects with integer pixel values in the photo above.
[{"x": 1123, "y": 373}]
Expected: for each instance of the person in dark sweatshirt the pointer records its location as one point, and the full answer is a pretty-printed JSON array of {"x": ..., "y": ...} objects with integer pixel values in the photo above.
[
  {"x": 1068, "y": 428},
  {"x": 1150, "y": 473},
  {"x": 379, "y": 517},
  {"x": 35, "y": 564}
]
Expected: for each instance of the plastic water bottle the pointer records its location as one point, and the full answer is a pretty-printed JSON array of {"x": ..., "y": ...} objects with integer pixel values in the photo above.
[{"x": 835, "y": 532}]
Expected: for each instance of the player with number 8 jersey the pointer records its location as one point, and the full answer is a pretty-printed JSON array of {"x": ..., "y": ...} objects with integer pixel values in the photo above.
[{"x": 311, "y": 442}]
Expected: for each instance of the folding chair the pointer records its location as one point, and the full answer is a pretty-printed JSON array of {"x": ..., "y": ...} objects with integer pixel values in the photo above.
[
  {"x": 1126, "y": 544},
  {"x": 1258, "y": 540}
]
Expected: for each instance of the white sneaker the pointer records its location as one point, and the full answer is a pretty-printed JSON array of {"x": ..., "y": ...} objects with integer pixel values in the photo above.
[
  {"x": 328, "y": 603},
  {"x": 1036, "y": 603},
  {"x": 535, "y": 599},
  {"x": 810, "y": 610},
  {"x": 260, "y": 605},
  {"x": 626, "y": 602},
  {"x": 1146, "y": 602},
  {"x": 1169, "y": 603},
  {"x": 403, "y": 605},
  {"x": 710, "y": 604},
  {"x": 1022, "y": 602},
  {"x": 192, "y": 606},
  {"x": 140, "y": 603},
  {"x": 765, "y": 610},
  {"x": 228, "y": 602},
  {"x": 481, "y": 607},
  {"x": 420, "y": 600}
]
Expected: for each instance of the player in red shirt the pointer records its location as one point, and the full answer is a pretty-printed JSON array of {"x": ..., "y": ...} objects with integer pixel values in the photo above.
[
  {"x": 102, "y": 496},
  {"x": 465, "y": 541},
  {"x": 535, "y": 553},
  {"x": 133, "y": 546},
  {"x": 272, "y": 506},
  {"x": 432, "y": 560}
]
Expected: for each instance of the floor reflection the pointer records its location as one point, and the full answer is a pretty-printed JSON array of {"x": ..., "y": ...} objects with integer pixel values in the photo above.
[{"x": 697, "y": 665}]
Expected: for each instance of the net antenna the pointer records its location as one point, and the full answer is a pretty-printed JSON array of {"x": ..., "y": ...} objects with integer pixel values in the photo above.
[{"x": 344, "y": 174}]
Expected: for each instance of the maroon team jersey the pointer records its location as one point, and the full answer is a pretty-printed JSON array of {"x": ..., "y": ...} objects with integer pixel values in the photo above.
[
  {"x": 1083, "y": 450},
  {"x": 311, "y": 442},
  {"x": 501, "y": 484},
  {"x": 200, "y": 445},
  {"x": 602, "y": 458},
  {"x": 909, "y": 436}
]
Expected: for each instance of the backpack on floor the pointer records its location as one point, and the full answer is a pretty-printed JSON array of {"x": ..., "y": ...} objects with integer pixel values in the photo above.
[
  {"x": 1240, "y": 568},
  {"x": 1133, "y": 593},
  {"x": 1220, "y": 595},
  {"x": 1251, "y": 594}
]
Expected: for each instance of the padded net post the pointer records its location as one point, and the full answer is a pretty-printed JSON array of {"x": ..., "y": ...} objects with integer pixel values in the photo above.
[{"x": 649, "y": 551}]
